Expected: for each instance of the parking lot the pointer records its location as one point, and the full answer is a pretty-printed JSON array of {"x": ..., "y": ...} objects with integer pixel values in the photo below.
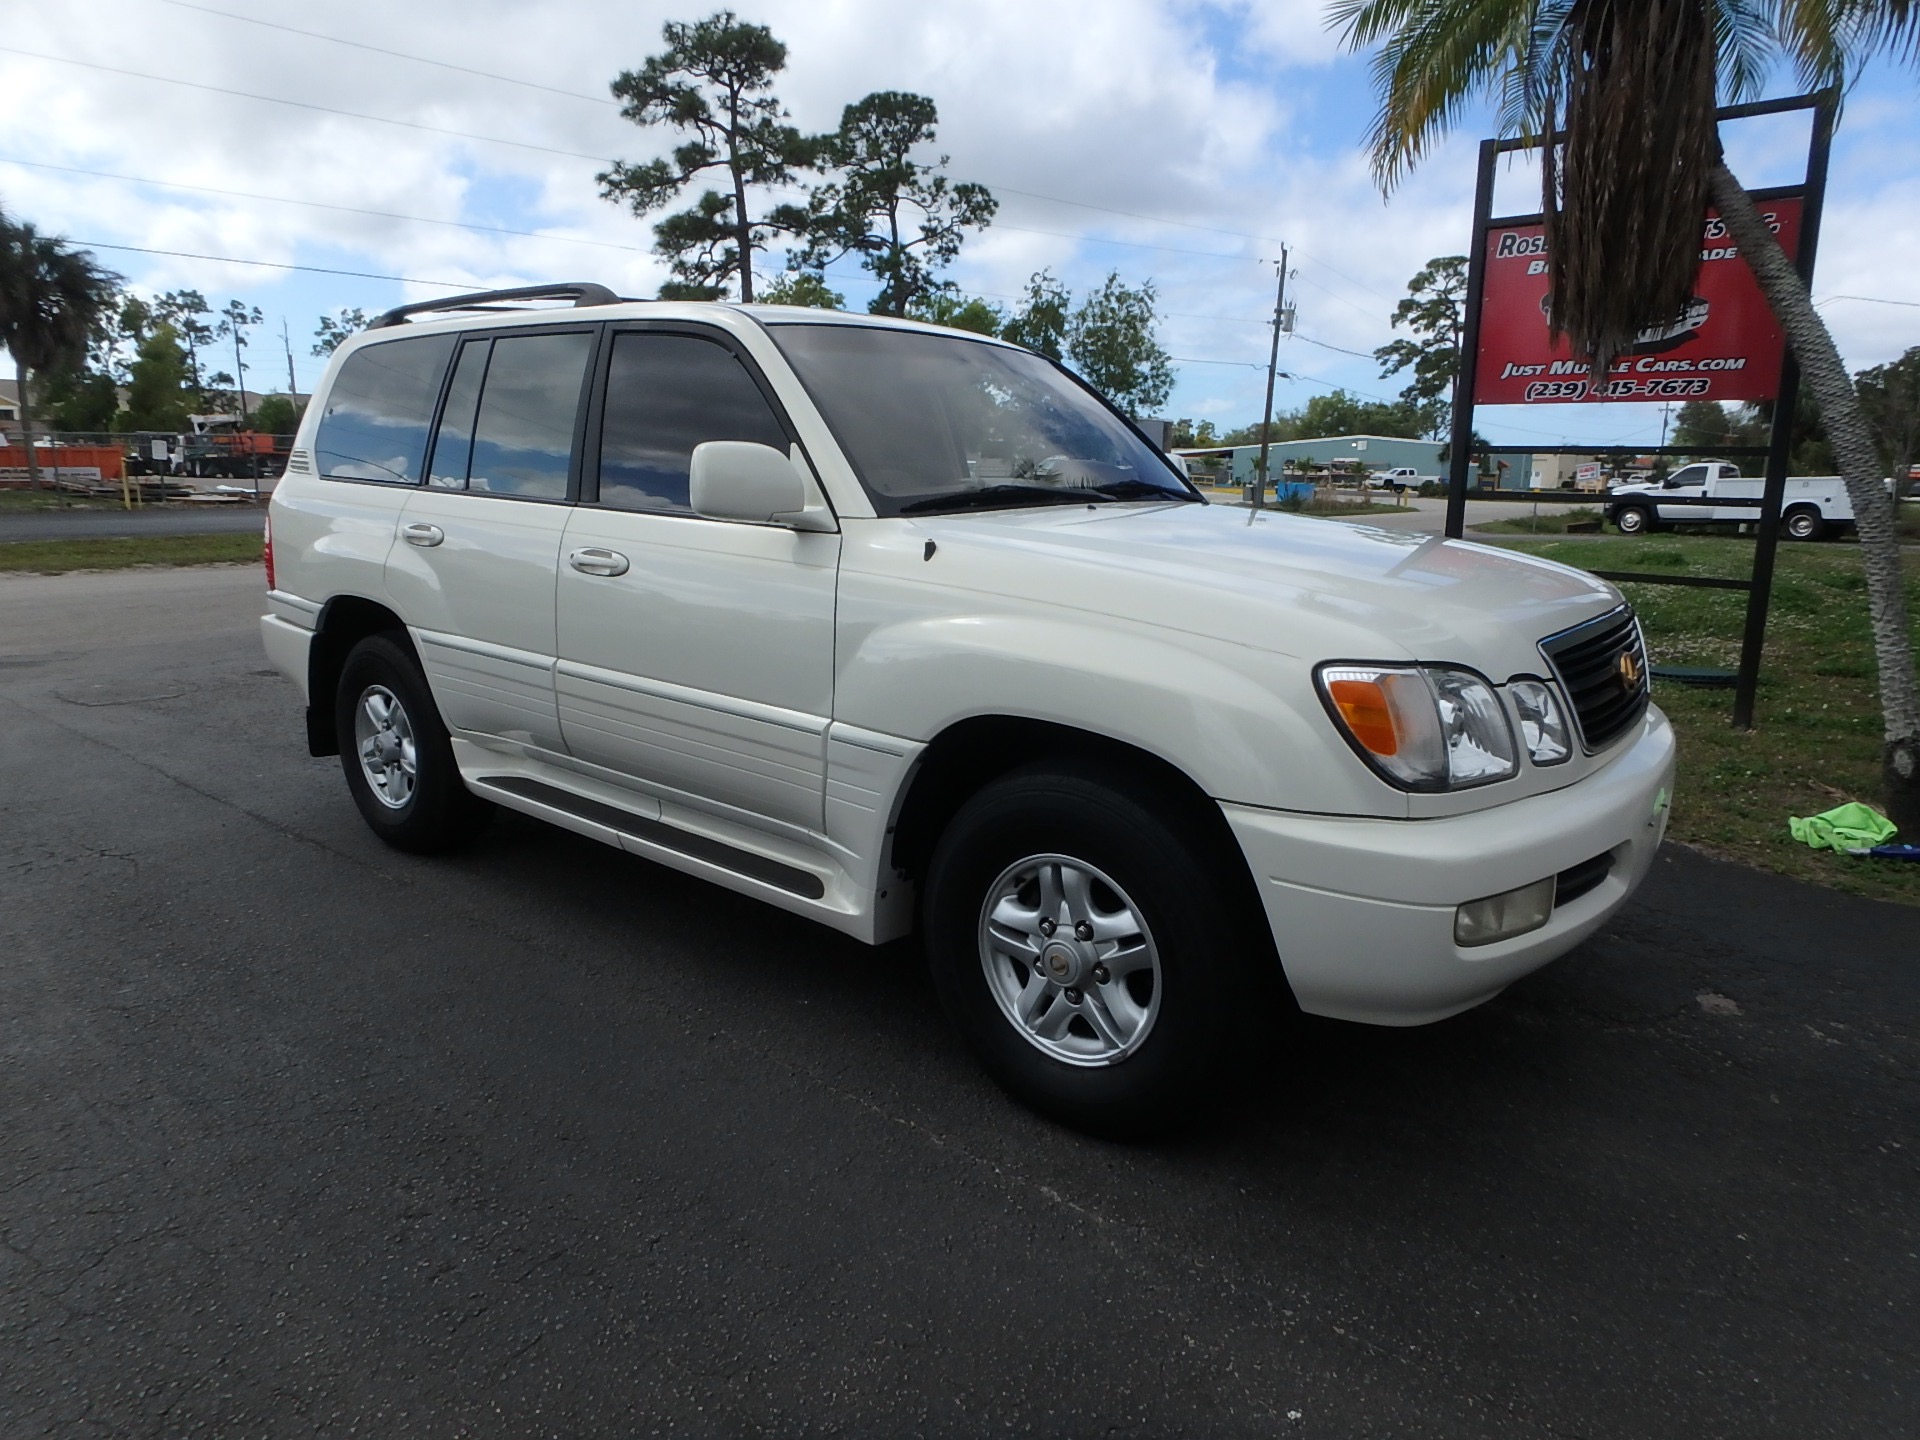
[{"x": 301, "y": 1136}]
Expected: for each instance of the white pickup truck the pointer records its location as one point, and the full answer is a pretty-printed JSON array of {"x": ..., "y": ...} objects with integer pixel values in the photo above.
[
  {"x": 1401, "y": 477},
  {"x": 1812, "y": 507}
]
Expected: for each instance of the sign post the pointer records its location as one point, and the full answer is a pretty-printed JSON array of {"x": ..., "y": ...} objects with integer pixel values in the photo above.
[{"x": 1725, "y": 345}]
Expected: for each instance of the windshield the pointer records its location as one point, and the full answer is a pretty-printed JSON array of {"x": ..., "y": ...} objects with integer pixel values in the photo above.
[{"x": 937, "y": 422}]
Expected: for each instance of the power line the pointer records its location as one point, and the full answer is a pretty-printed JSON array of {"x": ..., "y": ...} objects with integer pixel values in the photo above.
[
  {"x": 577, "y": 155},
  {"x": 468, "y": 284},
  {"x": 302, "y": 104},
  {"x": 1871, "y": 300},
  {"x": 319, "y": 204},
  {"x": 395, "y": 54},
  {"x": 604, "y": 100},
  {"x": 581, "y": 95},
  {"x": 273, "y": 264},
  {"x": 1357, "y": 354},
  {"x": 1129, "y": 244}
]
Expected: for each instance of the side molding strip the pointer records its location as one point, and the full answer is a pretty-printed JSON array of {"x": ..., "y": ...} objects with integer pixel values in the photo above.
[{"x": 655, "y": 832}]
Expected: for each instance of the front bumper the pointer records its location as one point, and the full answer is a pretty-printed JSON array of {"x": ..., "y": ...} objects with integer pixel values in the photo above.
[{"x": 1362, "y": 909}]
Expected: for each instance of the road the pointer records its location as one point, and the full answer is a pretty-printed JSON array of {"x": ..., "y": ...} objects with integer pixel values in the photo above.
[
  {"x": 177, "y": 519},
  {"x": 300, "y": 1136}
]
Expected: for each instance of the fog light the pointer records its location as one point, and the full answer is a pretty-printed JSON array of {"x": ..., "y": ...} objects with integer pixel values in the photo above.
[{"x": 1501, "y": 917}]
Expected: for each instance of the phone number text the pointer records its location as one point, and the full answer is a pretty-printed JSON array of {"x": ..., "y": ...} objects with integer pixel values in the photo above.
[{"x": 1617, "y": 389}]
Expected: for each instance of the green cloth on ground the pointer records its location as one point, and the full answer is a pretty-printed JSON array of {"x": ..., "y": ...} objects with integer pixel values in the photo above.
[{"x": 1852, "y": 826}]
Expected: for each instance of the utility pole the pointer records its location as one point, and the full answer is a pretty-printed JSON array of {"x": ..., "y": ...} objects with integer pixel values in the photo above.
[
  {"x": 241, "y": 366},
  {"x": 1273, "y": 366}
]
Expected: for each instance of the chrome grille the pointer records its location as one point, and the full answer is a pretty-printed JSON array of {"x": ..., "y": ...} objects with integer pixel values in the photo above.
[{"x": 1602, "y": 665}]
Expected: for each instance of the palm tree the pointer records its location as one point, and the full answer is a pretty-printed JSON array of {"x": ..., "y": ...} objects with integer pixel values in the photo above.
[
  {"x": 53, "y": 302},
  {"x": 1631, "y": 86}
]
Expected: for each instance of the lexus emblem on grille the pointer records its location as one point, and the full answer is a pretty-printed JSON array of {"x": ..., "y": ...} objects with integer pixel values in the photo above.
[{"x": 1629, "y": 667}]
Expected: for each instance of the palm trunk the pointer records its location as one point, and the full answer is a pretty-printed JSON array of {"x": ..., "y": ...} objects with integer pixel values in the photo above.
[
  {"x": 26, "y": 426},
  {"x": 1873, "y": 507}
]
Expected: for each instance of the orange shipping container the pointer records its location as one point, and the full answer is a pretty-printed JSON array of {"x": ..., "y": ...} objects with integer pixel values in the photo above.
[{"x": 109, "y": 460}]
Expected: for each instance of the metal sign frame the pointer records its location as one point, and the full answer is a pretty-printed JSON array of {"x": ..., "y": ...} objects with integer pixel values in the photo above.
[{"x": 1759, "y": 585}]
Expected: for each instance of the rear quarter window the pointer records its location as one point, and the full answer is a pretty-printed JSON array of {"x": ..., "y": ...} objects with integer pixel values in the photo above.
[{"x": 380, "y": 410}]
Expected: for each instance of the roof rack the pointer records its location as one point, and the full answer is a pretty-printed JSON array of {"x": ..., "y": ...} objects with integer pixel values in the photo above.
[{"x": 582, "y": 293}]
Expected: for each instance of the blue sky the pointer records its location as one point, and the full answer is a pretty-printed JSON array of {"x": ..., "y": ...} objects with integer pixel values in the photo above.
[{"x": 1219, "y": 129}]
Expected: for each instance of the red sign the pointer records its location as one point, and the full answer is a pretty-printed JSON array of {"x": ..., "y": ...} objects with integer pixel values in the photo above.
[{"x": 1726, "y": 345}]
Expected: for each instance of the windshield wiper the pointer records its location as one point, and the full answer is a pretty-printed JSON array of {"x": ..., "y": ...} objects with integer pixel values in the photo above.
[
  {"x": 994, "y": 497},
  {"x": 1137, "y": 490}
]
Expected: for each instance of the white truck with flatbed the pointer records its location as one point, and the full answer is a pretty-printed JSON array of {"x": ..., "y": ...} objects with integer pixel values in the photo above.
[
  {"x": 1708, "y": 492},
  {"x": 907, "y": 630}
]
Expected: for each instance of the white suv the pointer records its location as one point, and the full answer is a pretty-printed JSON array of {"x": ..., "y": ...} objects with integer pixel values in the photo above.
[{"x": 898, "y": 627}]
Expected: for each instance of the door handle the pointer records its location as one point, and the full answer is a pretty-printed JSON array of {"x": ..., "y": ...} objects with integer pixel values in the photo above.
[
  {"x": 595, "y": 561},
  {"x": 422, "y": 534}
]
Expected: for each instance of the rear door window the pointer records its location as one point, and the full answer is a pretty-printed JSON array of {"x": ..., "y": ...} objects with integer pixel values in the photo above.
[
  {"x": 667, "y": 393},
  {"x": 380, "y": 409},
  {"x": 522, "y": 433}
]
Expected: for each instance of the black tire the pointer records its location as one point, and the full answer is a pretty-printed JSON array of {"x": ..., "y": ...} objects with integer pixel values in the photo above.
[
  {"x": 1146, "y": 843},
  {"x": 1803, "y": 522},
  {"x": 1633, "y": 520},
  {"x": 430, "y": 809}
]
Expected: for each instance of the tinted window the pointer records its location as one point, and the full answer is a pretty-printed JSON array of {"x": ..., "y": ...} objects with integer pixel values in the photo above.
[
  {"x": 523, "y": 435},
  {"x": 665, "y": 395},
  {"x": 942, "y": 422},
  {"x": 453, "y": 447},
  {"x": 379, "y": 410}
]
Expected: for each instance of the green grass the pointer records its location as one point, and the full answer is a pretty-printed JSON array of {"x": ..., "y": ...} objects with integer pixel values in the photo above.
[
  {"x": 1538, "y": 524},
  {"x": 15, "y": 502},
  {"x": 56, "y": 557},
  {"x": 1816, "y": 741}
]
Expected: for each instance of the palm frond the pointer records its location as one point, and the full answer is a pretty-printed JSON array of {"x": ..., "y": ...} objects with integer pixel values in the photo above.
[
  {"x": 1632, "y": 83},
  {"x": 1438, "y": 57},
  {"x": 1744, "y": 37},
  {"x": 1829, "y": 40}
]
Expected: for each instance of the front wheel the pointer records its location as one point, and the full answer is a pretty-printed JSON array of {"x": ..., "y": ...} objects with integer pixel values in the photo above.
[
  {"x": 1083, "y": 949},
  {"x": 396, "y": 754}
]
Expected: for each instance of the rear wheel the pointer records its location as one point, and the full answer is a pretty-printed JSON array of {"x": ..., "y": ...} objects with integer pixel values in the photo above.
[
  {"x": 396, "y": 754},
  {"x": 1083, "y": 948},
  {"x": 1633, "y": 520},
  {"x": 1803, "y": 522}
]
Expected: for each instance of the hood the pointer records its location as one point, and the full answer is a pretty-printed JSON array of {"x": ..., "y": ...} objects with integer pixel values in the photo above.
[{"x": 1289, "y": 584}]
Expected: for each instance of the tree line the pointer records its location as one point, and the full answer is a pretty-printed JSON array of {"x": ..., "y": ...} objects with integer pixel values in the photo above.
[
  {"x": 92, "y": 356},
  {"x": 866, "y": 191}
]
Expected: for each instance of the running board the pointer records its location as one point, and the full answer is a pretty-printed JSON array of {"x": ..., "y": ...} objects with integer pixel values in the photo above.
[{"x": 789, "y": 878}]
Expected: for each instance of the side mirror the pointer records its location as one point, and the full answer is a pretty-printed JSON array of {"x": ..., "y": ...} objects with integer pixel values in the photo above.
[{"x": 740, "y": 480}]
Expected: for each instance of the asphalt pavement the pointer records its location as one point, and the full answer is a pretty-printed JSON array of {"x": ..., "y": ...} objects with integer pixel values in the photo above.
[
  {"x": 177, "y": 518},
  {"x": 300, "y": 1136}
]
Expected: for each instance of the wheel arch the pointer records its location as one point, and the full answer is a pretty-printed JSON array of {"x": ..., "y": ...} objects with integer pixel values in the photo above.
[
  {"x": 1818, "y": 523},
  {"x": 343, "y": 622},
  {"x": 972, "y": 753}
]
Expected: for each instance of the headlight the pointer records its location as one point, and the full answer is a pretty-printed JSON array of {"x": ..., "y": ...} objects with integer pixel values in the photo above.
[
  {"x": 1543, "y": 724},
  {"x": 1423, "y": 727}
]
